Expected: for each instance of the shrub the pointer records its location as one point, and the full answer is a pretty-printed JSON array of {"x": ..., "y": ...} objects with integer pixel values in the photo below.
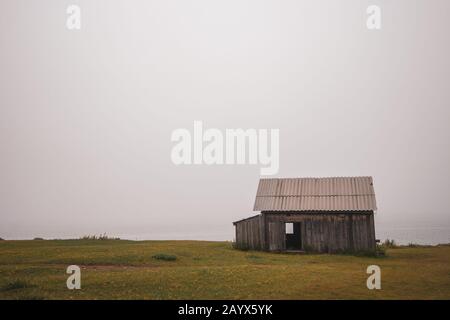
[
  {"x": 239, "y": 247},
  {"x": 15, "y": 284},
  {"x": 366, "y": 253},
  {"x": 165, "y": 257},
  {"x": 99, "y": 237},
  {"x": 1, "y": 239},
  {"x": 33, "y": 297},
  {"x": 389, "y": 243},
  {"x": 380, "y": 250},
  {"x": 38, "y": 238},
  {"x": 362, "y": 253}
]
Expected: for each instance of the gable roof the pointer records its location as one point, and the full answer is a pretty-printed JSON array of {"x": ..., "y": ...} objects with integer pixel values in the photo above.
[{"x": 316, "y": 194}]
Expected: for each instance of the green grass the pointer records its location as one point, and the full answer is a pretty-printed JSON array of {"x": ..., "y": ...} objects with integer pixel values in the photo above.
[{"x": 118, "y": 269}]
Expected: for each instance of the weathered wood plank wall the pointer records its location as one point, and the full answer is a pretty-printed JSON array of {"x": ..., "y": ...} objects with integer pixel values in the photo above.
[
  {"x": 250, "y": 233},
  {"x": 324, "y": 232},
  {"x": 321, "y": 232}
]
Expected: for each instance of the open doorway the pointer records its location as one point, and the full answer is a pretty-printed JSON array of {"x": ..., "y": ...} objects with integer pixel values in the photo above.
[{"x": 293, "y": 236}]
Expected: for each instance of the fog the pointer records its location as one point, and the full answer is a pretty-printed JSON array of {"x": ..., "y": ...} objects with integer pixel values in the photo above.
[{"x": 86, "y": 116}]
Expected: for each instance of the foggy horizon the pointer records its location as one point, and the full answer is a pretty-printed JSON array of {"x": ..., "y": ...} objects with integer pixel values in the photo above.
[{"x": 86, "y": 116}]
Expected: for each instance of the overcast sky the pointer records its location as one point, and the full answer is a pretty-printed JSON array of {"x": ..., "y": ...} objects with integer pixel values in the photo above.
[{"x": 86, "y": 116}]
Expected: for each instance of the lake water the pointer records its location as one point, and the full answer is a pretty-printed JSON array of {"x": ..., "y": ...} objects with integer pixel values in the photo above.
[
  {"x": 401, "y": 235},
  {"x": 426, "y": 235}
]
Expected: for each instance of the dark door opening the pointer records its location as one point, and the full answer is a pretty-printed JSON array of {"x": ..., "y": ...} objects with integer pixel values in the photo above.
[{"x": 293, "y": 236}]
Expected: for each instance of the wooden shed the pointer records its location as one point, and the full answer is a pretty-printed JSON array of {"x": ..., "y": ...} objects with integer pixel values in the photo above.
[{"x": 311, "y": 214}]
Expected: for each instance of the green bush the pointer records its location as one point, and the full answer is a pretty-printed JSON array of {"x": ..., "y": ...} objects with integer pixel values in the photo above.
[
  {"x": 33, "y": 297},
  {"x": 38, "y": 238},
  {"x": 252, "y": 256},
  {"x": 389, "y": 243},
  {"x": 15, "y": 284},
  {"x": 380, "y": 250},
  {"x": 239, "y": 247},
  {"x": 165, "y": 257},
  {"x": 99, "y": 237}
]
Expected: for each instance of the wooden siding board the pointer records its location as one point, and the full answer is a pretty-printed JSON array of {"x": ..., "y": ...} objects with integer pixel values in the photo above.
[
  {"x": 325, "y": 233},
  {"x": 319, "y": 232},
  {"x": 248, "y": 233}
]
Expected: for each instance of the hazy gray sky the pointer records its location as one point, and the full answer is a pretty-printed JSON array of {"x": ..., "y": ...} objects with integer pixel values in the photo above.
[{"x": 86, "y": 116}]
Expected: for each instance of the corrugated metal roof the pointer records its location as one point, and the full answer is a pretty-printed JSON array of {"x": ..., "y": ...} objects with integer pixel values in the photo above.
[{"x": 311, "y": 194}]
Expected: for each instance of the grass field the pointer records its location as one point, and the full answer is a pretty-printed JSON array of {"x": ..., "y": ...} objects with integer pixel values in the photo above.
[{"x": 117, "y": 269}]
